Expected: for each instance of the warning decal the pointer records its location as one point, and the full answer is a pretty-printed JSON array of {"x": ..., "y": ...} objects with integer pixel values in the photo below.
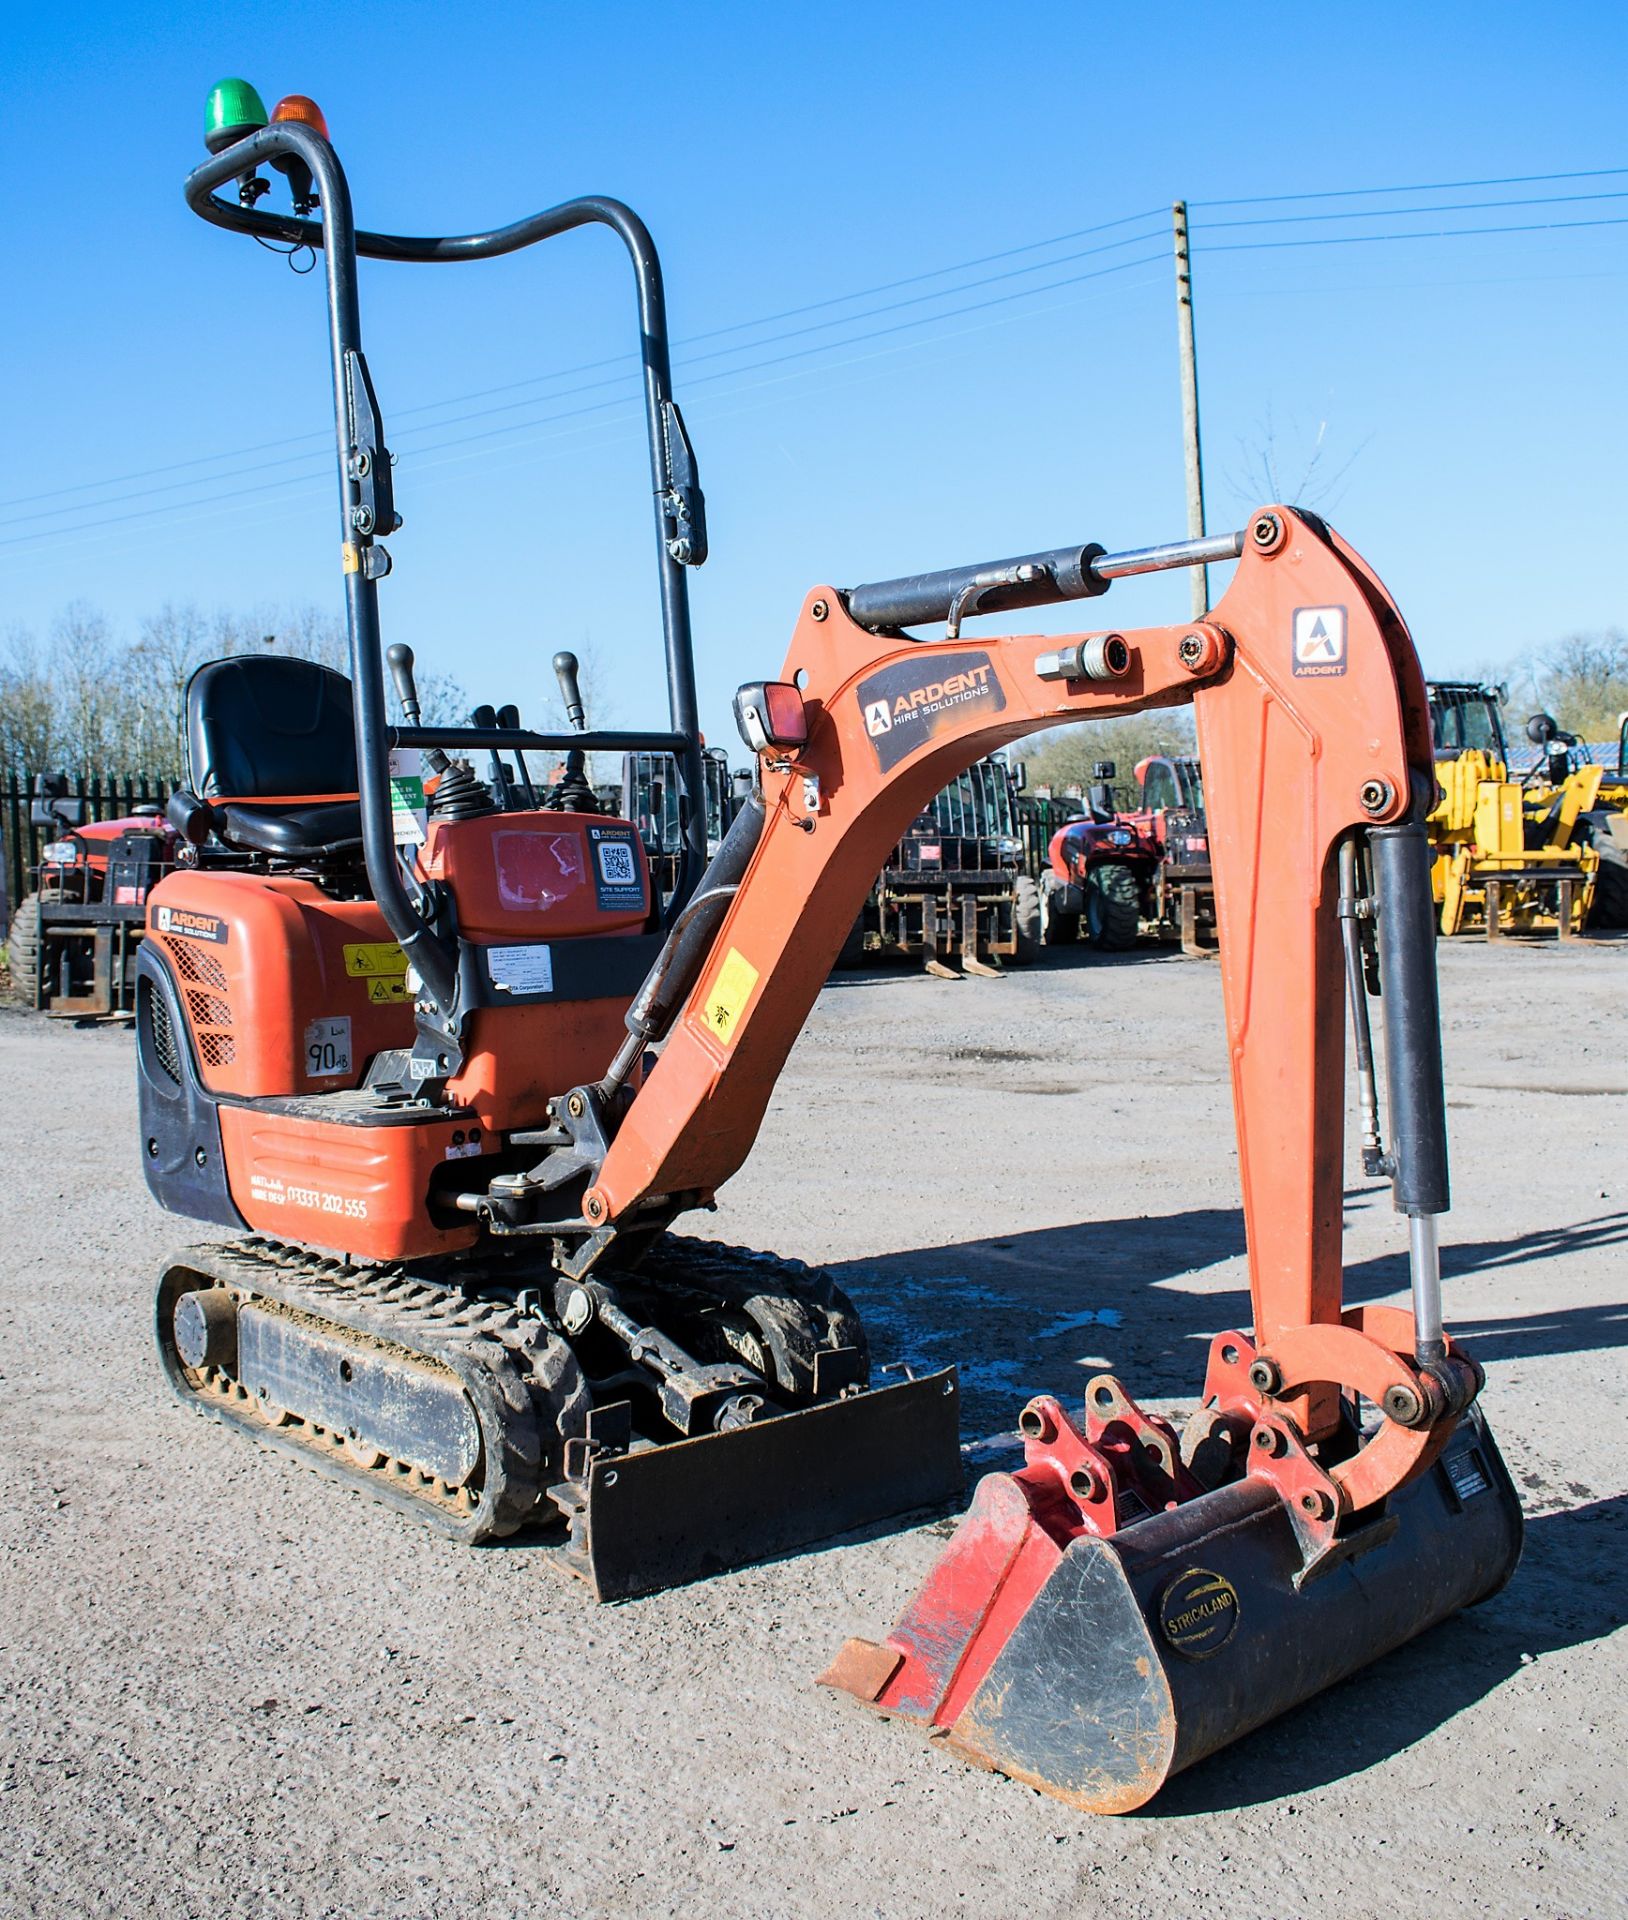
[
  {"x": 382, "y": 964},
  {"x": 905, "y": 705},
  {"x": 727, "y": 997},
  {"x": 1319, "y": 641},
  {"x": 366, "y": 959}
]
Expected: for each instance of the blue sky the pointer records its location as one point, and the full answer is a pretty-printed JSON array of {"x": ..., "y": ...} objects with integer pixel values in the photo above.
[{"x": 1468, "y": 391}]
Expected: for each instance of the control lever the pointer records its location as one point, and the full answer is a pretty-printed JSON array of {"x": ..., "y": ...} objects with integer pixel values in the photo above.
[
  {"x": 399, "y": 658},
  {"x": 573, "y": 793},
  {"x": 508, "y": 717},
  {"x": 485, "y": 717},
  {"x": 565, "y": 671}
]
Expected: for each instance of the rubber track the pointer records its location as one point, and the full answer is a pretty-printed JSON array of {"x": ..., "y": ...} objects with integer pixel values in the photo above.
[
  {"x": 487, "y": 1345},
  {"x": 519, "y": 1374}
]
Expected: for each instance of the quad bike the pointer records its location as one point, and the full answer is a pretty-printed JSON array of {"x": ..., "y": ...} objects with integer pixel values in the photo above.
[{"x": 457, "y": 1082}]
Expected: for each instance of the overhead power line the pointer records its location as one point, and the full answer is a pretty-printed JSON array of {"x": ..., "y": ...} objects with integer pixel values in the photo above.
[
  {"x": 318, "y": 442},
  {"x": 575, "y": 424},
  {"x": 1397, "y": 213},
  {"x": 705, "y": 379},
  {"x": 1381, "y": 239},
  {"x": 592, "y": 366},
  {"x": 1424, "y": 186}
]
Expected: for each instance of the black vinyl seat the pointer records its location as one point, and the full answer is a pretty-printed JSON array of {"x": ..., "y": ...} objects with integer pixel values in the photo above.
[{"x": 271, "y": 747}]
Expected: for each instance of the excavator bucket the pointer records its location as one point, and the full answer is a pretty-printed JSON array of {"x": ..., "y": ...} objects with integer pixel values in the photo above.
[{"x": 1096, "y": 1665}]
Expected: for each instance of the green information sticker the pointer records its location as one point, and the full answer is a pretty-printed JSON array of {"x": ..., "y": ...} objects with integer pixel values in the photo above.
[{"x": 407, "y": 804}]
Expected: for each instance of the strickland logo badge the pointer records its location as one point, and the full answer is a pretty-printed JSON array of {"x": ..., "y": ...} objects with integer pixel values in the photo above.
[
  {"x": 1199, "y": 1612},
  {"x": 906, "y": 704}
]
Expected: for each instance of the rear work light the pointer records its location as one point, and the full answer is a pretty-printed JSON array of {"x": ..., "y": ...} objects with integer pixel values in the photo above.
[{"x": 770, "y": 713}]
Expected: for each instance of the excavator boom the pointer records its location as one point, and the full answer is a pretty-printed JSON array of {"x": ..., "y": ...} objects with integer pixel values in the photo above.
[{"x": 1300, "y": 753}]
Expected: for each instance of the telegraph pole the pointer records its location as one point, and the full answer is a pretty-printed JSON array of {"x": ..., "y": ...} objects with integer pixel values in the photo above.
[{"x": 1200, "y": 576}]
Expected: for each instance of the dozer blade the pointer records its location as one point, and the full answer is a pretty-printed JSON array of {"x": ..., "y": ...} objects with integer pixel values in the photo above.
[
  {"x": 474, "y": 1417},
  {"x": 1098, "y": 1669},
  {"x": 663, "y": 1516}
]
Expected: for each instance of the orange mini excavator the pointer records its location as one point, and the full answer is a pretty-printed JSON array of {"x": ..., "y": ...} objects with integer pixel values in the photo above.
[{"x": 456, "y": 1073}]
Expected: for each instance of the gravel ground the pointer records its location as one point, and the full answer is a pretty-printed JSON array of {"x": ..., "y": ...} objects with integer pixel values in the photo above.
[{"x": 231, "y": 1688}]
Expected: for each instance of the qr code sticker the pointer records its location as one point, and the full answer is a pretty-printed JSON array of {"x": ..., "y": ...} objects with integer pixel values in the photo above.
[{"x": 616, "y": 865}]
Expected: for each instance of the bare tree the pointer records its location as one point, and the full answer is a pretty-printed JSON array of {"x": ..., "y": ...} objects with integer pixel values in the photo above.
[
  {"x": 29, "y": 728},
  {"x": 1299, "y": 468},
  {"x": 87, "y": 701},
  {"x": 1583, "y": 681}
]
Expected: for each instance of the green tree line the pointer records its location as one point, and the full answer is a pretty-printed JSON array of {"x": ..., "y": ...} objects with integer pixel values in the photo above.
[{"x": 83, "y": 698}]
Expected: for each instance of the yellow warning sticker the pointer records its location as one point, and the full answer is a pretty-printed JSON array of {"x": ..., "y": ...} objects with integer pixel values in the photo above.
[
  {"x": 367, "y": 959},
  {"x": 387, "y": 988},
  {"x": 727, "y": 997}
]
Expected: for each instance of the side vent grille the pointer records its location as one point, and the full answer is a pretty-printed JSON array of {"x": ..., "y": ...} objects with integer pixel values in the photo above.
[
  {"x": 155, "y": 1020},
  {"x": 209, "y": 1011},
  {"x": 196, "y": 964}
]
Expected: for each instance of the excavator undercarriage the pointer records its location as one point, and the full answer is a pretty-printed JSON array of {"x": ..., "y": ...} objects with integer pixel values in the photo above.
[{"x": 490, "y": 1394}]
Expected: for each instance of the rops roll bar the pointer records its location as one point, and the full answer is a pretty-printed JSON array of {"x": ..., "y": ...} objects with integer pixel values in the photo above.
[{"x": 367, "y": 508}]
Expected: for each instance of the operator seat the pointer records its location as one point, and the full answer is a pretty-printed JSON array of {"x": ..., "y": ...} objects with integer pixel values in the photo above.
[{"x": 271, "y": 752}]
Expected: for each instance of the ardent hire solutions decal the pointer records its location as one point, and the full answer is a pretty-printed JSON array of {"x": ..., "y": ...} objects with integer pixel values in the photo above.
[
  {"x": 907, "y": 703},
  {"x": 195, "y": 926}
]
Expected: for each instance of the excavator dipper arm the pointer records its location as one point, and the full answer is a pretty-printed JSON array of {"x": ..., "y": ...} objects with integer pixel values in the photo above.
[{"x": 1132, "y": 1599}]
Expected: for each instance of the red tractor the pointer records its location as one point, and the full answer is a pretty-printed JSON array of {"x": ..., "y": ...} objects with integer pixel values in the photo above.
[
  {"x": 1117, "y": 870},
  {"x": 72, "y": 941}
]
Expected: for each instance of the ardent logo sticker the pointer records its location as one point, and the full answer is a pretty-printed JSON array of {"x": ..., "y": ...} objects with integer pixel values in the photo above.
[
  {"x": 193, "y": 926},
  {"x": 1199, "y": 1612},
  {"x": 906, "y": 704},
  {"x": 1319, "y": 642}
]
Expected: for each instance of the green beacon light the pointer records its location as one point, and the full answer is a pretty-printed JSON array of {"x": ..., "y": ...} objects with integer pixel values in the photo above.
[{"x": 235, "y": 111}]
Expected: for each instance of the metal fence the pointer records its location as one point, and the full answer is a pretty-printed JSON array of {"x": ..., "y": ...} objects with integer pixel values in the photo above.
[
  {"x": 104, "y": 796},
  {"x": 1037, "y": 821}
]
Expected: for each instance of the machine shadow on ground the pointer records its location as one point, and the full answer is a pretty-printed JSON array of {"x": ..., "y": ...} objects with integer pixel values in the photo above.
[
  {"x": 1048, "y": 960},
  {"x": 1041, "y": 1311}
]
